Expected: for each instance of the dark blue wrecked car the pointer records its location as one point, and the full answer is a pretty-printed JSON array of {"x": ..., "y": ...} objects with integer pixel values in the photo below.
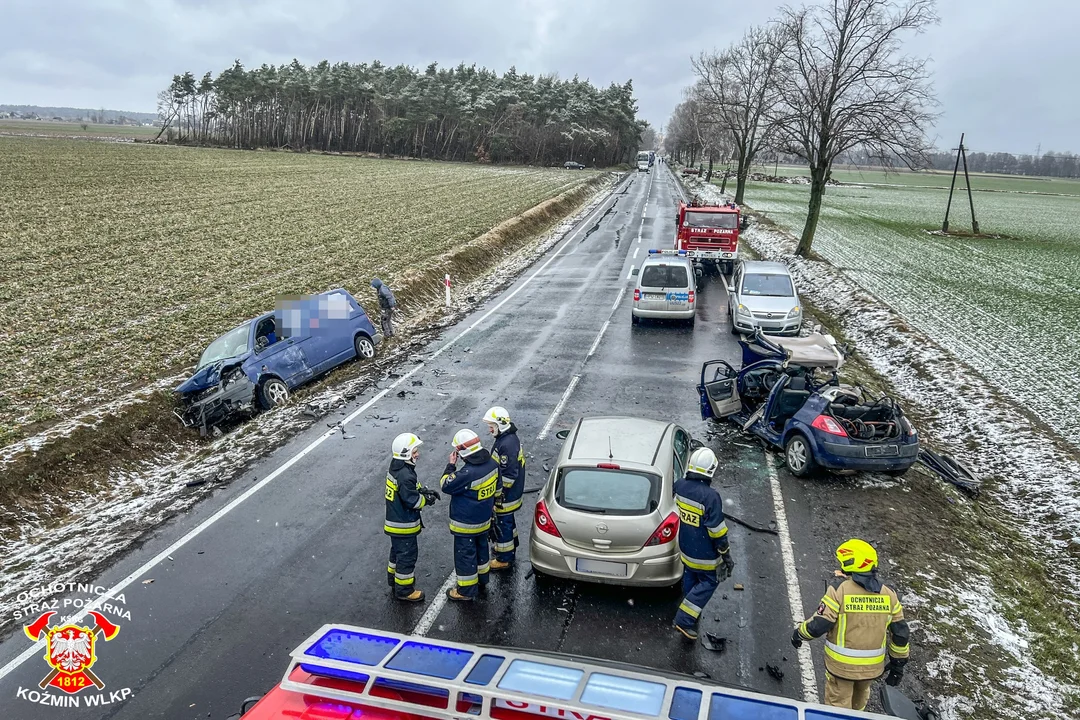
[
  {"x": 256, "y": 365},
  {"x": 788, "y": 394}
]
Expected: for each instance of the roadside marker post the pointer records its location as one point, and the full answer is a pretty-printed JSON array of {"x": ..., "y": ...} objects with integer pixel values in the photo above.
[{"x": 447, "y": 283}]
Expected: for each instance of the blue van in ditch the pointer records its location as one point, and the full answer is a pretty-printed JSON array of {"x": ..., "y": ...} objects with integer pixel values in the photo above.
[{"x": 257, "y": 364}]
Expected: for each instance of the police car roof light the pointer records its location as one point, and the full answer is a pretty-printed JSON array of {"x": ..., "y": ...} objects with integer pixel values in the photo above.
[{"x": 439, "y": 678}]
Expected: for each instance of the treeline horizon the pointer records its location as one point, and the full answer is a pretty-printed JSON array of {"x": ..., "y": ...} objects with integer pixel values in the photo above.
[{"x": 465, "y": 113}]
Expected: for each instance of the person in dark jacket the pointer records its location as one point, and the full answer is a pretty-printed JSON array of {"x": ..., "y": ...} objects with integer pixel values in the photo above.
[
  {"x": 703, "y": 541},
  {"x": 507, "y": 452},
  {"x": 405, "y": 498},
  {"x": 472, "y": 491},
  {"x": 387, "y": 303}
]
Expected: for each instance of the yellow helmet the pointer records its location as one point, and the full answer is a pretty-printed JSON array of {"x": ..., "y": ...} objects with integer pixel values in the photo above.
[{"x": 856, "y": 556}]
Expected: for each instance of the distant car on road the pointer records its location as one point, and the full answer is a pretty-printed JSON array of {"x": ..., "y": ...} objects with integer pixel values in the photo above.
[
  {"x": 607, "y": 513},
  {"x": 258, "y": 363},
  {"x": 666, "y": 288},
  {"x": 762, "y": 295},
  {"x": 571, "y": 165}
]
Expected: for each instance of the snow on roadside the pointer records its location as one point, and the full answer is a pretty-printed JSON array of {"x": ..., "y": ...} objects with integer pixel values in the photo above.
[
  {"x": 104, "y": 524},
  {"x": 1038, "y": 482}
]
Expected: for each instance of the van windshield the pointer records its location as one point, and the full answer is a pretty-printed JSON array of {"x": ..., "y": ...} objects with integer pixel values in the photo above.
[
  {"x": 608, "y": 492},
  {"x": 231, "y": 344},
  {"x": 725, "y": 220},
  {"x": 665, "y": 276}
]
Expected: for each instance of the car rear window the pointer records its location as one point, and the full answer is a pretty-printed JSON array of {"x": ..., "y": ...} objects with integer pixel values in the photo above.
[
  {"x": 608, "y": 492},
  {"x": 665, "y": 276},
  {"x": 768, "y": 285}
]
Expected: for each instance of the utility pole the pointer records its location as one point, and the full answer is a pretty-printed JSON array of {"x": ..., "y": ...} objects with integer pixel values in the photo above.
[
  {"x": 967, "y": 179},
  {"x": 956, "y": 168}
]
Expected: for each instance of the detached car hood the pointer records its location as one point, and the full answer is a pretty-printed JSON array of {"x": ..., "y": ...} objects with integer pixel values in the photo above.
[{"x": 208, "y": 375}]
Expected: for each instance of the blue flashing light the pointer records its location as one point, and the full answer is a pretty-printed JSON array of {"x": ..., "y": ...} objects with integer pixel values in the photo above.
[
  {"x": 723, "y": 707},
  {"x": 351, "y": 646},
  {"x": 431, "y": 660},
  {"x": 334, "y": 673},
  {"x": 685, "y": 704},
  {"x": 542, "y": 679},
  {"x": 484, "y": 669},
  {"x": 627, "y": 694},
  {"x": 654, "y": 252}
]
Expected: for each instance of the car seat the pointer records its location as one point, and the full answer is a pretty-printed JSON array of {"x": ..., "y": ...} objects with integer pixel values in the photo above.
[{"x": 791, "y": 400}]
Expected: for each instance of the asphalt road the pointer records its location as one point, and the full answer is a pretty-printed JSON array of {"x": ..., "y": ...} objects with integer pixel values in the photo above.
[{"x": 278, "y": 555}]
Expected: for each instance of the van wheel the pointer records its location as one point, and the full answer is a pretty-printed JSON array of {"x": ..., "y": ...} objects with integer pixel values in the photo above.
[
  {"x": 798, "y": 456},
  {"x": 272, "y": 393},
  {"x": 691, "y": 321},
  {"x": 634, "y": 319},
  {"x": 365, "y": 349}
]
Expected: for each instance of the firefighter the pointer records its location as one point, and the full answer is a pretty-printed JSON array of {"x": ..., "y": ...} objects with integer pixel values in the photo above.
[
  {"x": 405, "y": 498},
  {"x": 703, "y": 540},
  {"x": 863, "y": 623},
  {"x": 507, "y": 452},
  {"x": 472, "y": 490}
]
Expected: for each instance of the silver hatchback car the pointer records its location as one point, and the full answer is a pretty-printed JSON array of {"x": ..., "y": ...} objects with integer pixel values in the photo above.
[
  {"x": 762, "y": 294},
  {"x": 607, "y": 513}
]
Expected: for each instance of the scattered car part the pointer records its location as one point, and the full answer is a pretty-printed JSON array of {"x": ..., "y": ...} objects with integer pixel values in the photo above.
[{"x": 952, "y": 471}]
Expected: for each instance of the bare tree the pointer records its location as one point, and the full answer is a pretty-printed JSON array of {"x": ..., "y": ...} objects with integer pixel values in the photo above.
[
  {"x": 739, "y": 89},
  {"x": 849, "y": 88}
]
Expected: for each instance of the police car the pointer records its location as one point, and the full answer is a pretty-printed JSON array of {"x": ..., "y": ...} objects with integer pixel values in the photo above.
[
  {"x": 666, "y": 288},
  {"x": 344, "y": 672}
]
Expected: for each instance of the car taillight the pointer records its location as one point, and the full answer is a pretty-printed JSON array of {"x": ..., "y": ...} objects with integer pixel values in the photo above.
[
  {"x": 668, "y": 531},
  {"x": 824, "y": 423},
  {"x": 608, "y": 466},
  {"x": 543, "y": 521},
  {"x": 691, "y": 297},
  {"x": 637, "y": 295}
]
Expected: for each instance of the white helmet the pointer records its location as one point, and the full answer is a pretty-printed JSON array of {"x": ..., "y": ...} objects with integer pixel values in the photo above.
[
  {"x": 466, "y": 442},
  {"x": 499, "y": 417},
  {"x": 405, "y": 445},
  {"x": 703, "y": 462}
]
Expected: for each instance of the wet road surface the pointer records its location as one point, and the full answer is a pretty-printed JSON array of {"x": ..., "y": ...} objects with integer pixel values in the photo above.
[{"x": 222, "y": 612}]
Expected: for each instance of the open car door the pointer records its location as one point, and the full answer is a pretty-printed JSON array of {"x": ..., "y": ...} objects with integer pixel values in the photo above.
[{"x": 717, "y": 390}]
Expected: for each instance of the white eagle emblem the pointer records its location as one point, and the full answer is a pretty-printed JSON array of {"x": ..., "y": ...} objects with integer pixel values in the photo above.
[{"x": 71, "y": 649}]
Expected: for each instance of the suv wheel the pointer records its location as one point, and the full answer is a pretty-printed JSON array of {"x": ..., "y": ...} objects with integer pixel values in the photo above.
[
  {"x": 272, "y": 393},
  {"x": 798, "y": 456},
  {"x": 365, "y": 349}
]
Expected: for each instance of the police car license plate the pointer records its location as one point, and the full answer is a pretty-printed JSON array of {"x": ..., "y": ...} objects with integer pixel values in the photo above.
[
  {"x": 655, "y": 296},
  {"x": 882, "y": 451},
  {"x": 601, "y": 567}
]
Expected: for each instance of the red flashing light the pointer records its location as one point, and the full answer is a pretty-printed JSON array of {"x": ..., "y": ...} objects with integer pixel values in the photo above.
[
  {"x": 826, "y": 424},
  {"x": 668, "y": 531},
  {"x": 543, "y": 520}
]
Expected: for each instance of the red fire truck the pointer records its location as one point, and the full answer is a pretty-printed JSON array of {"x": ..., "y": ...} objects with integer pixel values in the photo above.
[
  {"x": 709, "y": 233},
  {"x": 344, "y": 672}
]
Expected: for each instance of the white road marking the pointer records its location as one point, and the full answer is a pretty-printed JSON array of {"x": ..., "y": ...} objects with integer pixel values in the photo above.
[
  {"x": 436, "y": 606},
  {"x": 631, "y": 273},
  {"x": 636, "y": 250},
  {"x": 622, "y": 291},
  {"x": 558, "y": 408},
  {"x": 596, "y": 342},
  {"x": 806, "y": 662},
  {"x": 35, "y": 649}
]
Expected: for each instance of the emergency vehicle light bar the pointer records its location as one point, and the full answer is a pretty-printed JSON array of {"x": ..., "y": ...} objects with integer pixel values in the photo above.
[
  {"x": 454, "y": 681},
  {"x": 667, "y": 252}
]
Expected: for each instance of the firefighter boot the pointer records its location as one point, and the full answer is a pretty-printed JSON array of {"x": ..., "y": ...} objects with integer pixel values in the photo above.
[
  {"x": 497, "y": 564},
  {"x": 688, "y": 633},
  {"x": 453, "y": 594},
  {"x": 414, "y": 597}
]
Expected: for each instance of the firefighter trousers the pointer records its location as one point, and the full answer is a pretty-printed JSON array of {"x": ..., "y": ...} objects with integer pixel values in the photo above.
[
  {"x": 844, "y": 693},
  {"x": 404, "y": 551},
  {"x": 698, "y": 588},
  {"x": 506, "y": 539},
  {"x": 471, "y": 562}
]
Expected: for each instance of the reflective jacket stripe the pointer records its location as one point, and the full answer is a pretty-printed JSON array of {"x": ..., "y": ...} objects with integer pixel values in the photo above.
[
  {"x": 854, "y": 657},
  {"x": 698, "y": 563},
  {"x": 688, "y": 504},
  {"x": 829, "y": 602},
  {"x": 484, "y": 481},
  {"x": 469, "y": 529},
  {"x": 509, "y": 508},
  {"x": 396, "y": 528},
  {"x": 718, "y": 531},
  {"x": 898, "y": 650}
]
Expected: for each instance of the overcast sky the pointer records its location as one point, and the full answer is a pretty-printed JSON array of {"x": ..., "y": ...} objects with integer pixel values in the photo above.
[{"x": 1005, "y": 72}]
